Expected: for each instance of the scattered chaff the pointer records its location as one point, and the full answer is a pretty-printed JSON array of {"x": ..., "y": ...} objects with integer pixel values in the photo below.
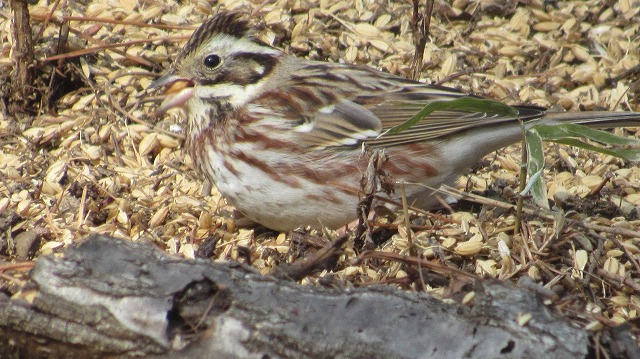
[{"x": 126, "y": 173}]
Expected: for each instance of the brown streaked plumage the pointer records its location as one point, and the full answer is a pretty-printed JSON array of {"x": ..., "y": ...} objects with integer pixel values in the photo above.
[{"x": 282, "y": 137}]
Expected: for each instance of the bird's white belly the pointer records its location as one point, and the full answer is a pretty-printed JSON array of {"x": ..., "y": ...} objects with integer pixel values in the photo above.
[{"x": 274, "y": 202}]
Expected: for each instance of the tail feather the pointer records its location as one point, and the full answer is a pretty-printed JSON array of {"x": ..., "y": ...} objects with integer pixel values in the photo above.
[
  {"x": 479, "y": 141},
  {"x": 596, "y": 119}
]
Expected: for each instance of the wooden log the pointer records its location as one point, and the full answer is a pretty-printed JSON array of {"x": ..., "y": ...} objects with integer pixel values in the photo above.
[{"x": 112, "y": 298}]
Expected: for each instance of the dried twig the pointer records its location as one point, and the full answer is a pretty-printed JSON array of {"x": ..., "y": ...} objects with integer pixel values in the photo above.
[
  {"x": 114, "y": 47},
  {"x": 22, "y": 74},
  {"x": 407, "y": 222},
  {"x": 540, "y": 213},
  {"x": 137, "y": 24},
  {"x": 617, "y": 280},
  {"x": 371, "y": 183},
  {"x": 420, "y": 29},
  {"x": 309, "y": 265},
  {"x": 434, "y": 266}
]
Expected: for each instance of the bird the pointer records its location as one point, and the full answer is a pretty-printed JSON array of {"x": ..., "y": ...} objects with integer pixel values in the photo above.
[{"x": 284, "y": 139}]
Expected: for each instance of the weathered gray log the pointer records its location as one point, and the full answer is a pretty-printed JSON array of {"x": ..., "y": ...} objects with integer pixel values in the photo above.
[{"x": 113, "y": 298}]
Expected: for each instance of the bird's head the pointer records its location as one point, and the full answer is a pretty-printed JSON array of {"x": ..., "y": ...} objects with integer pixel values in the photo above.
[{"x": 223, "y": 62}]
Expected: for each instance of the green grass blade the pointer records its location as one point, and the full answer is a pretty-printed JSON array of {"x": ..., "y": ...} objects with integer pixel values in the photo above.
[
  {"x": 535, "y": 168},
  {"x": 632, "y": 154},
  {"x": 466, "y": 104},
  {"x": 560, "y": 131}
]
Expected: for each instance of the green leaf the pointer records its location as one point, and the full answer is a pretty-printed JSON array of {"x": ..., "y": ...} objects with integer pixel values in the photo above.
[
  {"x": 632, "y": 154},
  {"x": 535, "y": 166},
  {"x": 566, "y": 133},
  {"x": 559, "y": 131},
  {"x": 466, "y": 104}
]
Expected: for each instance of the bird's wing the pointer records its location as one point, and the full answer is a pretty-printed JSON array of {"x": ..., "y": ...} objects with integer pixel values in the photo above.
[
  {"x": 343, "y": 124},
  {"x": 396, "y": 108},
  {"x": 344, "y": 105}
]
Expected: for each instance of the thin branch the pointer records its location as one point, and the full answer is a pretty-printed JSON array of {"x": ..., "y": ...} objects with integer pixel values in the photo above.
[
  {"x": 116, "y": 22},
  {"x": 540, "y": 213},
  {"x": 104, "y": 46},
  {"x": 420, "y": 28},
  {"x": 22, "y": 74}
]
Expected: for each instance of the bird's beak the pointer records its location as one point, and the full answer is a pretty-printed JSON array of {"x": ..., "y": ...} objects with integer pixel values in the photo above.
[{"x": 178, "y": 90}]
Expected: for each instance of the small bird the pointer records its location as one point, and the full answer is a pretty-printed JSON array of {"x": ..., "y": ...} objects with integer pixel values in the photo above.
[{"x": 282, "y": 137}]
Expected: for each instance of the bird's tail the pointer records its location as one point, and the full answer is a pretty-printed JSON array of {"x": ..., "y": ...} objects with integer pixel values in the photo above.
[
  {"x": 479, "y": 141},
  {"x": 596, "y": 119}
]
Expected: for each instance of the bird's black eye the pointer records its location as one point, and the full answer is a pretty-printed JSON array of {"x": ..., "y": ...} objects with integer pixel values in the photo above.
[{"x": 212, "y": 61}]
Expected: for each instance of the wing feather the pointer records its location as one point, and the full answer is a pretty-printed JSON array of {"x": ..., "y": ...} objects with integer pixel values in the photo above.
[{"x": 357, "y": 112}]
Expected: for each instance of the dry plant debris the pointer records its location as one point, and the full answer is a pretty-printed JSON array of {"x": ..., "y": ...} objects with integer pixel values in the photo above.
[{"x": 88, "y": 159}]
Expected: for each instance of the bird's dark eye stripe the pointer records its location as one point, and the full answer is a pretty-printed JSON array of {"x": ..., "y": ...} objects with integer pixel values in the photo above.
[
  {"x": 266, "y": 61},
  {"x": 243, "y": 69}
]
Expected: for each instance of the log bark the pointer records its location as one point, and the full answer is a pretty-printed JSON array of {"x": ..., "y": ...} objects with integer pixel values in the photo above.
[{"x": 112, "y": 298}]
